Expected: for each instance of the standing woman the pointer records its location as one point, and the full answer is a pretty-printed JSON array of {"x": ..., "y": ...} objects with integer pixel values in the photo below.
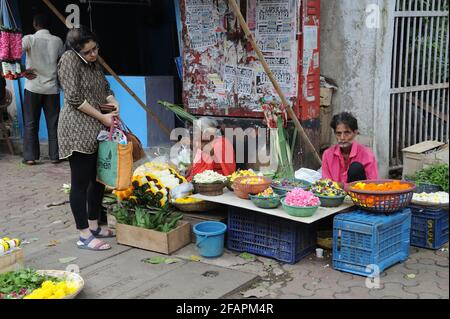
[{"x": 85, "y": 91}]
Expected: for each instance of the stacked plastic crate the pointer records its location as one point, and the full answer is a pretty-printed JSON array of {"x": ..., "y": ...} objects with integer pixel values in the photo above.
[
  {"x": 369, "y": 240},
  {"x": 366, "y": 243}
]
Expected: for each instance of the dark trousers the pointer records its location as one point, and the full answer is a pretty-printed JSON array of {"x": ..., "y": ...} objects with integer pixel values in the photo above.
[
  {"x": 33, "y": 104},
  {"x": 356, "y": 172},
  {"x": 86, "y": 194}
]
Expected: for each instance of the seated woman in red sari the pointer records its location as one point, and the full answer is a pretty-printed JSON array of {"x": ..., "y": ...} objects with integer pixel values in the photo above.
[{"x": 212, "y": 151}]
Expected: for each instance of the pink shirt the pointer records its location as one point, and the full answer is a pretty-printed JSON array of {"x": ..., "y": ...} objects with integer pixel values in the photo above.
[{"x": 333, "y": 164}]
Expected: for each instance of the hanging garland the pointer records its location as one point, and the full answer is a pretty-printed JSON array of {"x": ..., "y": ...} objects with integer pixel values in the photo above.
[
  {"x": 10, "y": 46},
  {"x": 276, "y": 118}
]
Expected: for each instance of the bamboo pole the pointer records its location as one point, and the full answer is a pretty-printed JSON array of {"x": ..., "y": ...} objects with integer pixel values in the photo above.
[
  {"x": 237, "y": 12},
  {"x": 111, "y": 71}
]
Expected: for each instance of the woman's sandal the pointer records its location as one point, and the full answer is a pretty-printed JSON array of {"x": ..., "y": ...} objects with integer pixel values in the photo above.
[
  {"x": 97, "y": 232},
  {"x": 84, "y": 244}
]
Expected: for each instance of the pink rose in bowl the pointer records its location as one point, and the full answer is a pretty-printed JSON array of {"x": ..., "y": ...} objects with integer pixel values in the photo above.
[{"x": 301, "y": 198}]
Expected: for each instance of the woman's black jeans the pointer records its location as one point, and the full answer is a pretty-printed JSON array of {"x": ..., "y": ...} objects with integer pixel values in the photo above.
[
  {"x": 356, "y": 172},
  {"x": 86, "y": 194}
]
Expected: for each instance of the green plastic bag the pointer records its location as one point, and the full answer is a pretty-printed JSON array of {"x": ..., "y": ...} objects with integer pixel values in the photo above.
[{"x": 115, "y": 164}]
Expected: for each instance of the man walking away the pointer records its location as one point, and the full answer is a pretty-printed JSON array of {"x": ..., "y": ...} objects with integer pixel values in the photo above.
[{"x": 42, "y": 53}]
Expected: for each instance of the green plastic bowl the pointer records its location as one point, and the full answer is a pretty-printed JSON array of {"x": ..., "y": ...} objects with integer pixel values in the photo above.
[
  {"x": 306, "y": 211},
  {"x": 330, "y": 201},
  {"x": 265, "y": 202}
]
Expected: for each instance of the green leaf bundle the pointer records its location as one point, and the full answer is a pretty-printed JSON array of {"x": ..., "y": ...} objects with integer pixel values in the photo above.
[{"x": 436, "y": 174}]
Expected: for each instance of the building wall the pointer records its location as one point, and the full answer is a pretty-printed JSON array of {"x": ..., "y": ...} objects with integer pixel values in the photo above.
[{"x": 357, "y": 57}]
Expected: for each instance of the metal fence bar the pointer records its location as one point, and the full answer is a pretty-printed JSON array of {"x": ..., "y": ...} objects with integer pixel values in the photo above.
[
  {"x": 418, "y": 88},
  {"x": 391, "y": 128},
  {"x": 402, "y": 14},
  {"x": 427, "y": 101},
  {"x": 433, "y": 93},
  {"x": 405, "y": 128},
  {"x": 393, "y": 107},
  {"x": 411, "y": 79},
  {"x": 445, "y": 101},
  {"x": 441, "y": 105},
  {"x": 422, "y": 69},
  {"x": 399, "y": 112},
  {"x": 419, "y": 46},
  {"x": 394, "y": 65}
]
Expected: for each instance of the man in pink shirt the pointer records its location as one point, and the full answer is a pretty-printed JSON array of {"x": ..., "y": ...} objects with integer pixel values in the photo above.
[{"x": 348, "y": 161}]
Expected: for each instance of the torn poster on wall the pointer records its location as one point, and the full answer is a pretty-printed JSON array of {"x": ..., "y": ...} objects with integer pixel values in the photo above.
[
  {"x": 274, "y": 25},
  {"x": 200, "y": 22},
  {"x": 222, "y": 75}
]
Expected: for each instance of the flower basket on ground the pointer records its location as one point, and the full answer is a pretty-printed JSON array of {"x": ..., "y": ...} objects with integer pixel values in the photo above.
[{"x": 40, "y": 284}]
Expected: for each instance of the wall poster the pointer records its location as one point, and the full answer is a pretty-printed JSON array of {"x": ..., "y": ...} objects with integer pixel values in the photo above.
[{"x": 221, "y": 72}]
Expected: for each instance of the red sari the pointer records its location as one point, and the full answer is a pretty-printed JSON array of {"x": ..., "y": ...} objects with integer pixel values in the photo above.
[{"x": 222, "y": 161}]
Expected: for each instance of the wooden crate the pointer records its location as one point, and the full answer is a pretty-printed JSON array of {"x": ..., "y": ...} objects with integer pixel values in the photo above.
[
  {"x": 11, "y": 261},
  {"x": 149, "y": 239}
]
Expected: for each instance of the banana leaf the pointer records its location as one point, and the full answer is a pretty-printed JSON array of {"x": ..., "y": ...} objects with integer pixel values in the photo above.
[
  {"x": 178, "y": 110},
  {"x": 285, "y": 167},
  {"x": 294, "y": 140}
]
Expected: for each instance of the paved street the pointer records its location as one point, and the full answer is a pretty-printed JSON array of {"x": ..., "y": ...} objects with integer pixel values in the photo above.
[{"x": 34, "y": 208}]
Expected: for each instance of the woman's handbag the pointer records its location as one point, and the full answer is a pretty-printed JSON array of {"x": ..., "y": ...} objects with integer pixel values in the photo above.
[
  {"x": 138, "y": 150},
  {"x": 115, "y": 162}
]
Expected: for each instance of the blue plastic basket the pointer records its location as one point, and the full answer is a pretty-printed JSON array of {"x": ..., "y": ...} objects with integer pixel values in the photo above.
[
  {"x": 429, "y": 227},
  {"x": 269, "y": 236},
  {"x": 362, "y": 239}
]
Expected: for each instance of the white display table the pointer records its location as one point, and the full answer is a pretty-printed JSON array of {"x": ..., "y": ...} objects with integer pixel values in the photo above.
[{"x": 230, "y": 199}]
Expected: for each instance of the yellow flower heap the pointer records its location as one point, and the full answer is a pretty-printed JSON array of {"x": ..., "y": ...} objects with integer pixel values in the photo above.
[
  {"x": 53, "y": 290},
  {"x": 151, "y": 182},
  {"x": 240, "y": 173},
  {"x": 187, "y": 200}
]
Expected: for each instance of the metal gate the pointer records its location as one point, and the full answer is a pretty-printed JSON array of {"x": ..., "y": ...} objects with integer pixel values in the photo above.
[{"x": 419, "y": 108}]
